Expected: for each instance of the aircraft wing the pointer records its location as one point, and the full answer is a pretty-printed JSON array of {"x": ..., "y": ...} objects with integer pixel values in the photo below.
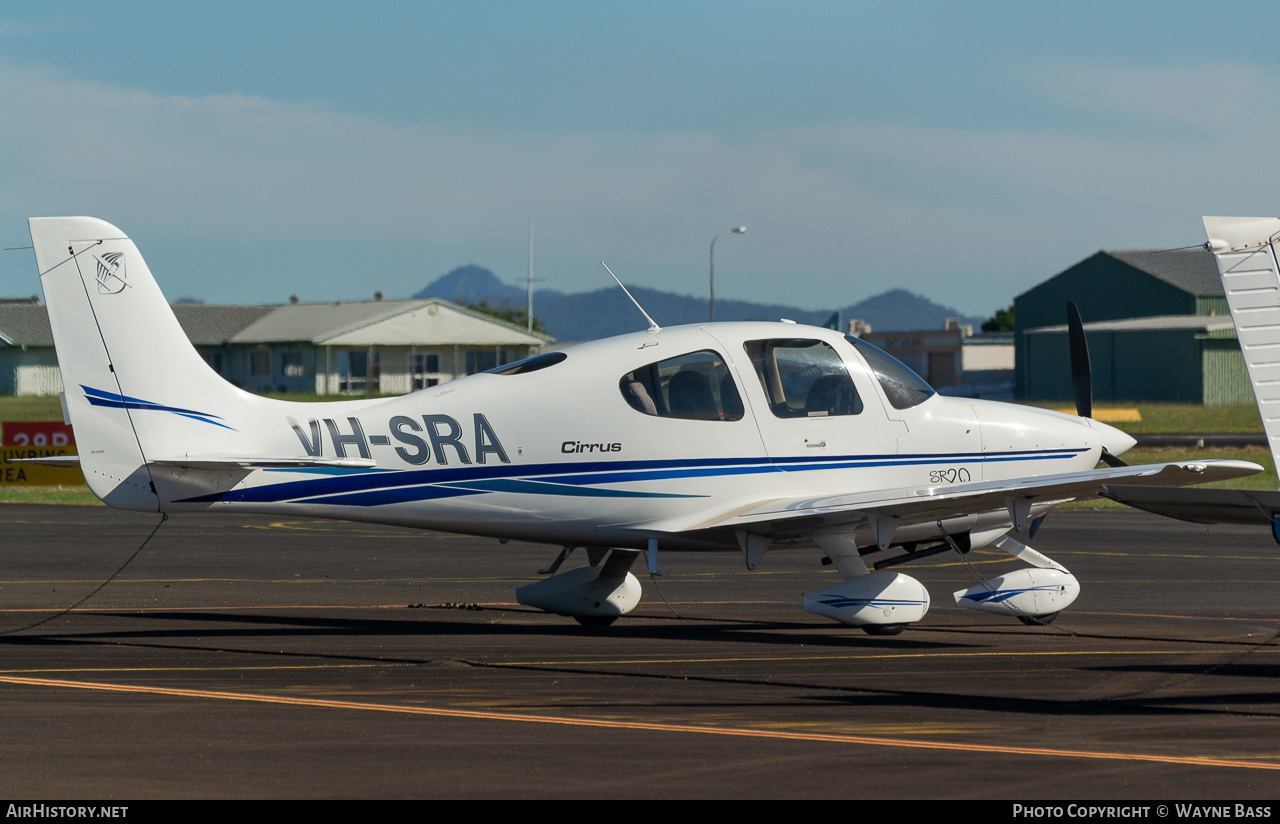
[
  {"x": 783, "y": 516},
  {"x": 1200, "y": 506}
]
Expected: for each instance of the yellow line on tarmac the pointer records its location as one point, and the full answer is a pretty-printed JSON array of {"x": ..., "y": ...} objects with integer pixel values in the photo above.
[
  {"x": 417, "y": 579},
  {"x": 1208, "y": 555},
  {"x": 618, "y": 661},
  {"x": 208, "y": 669},
  {"x": 895, "y": 656},
  {"x": 241, "y": 608},
  {"x": 351, "y": 529},
  {"x": 738, "y": 732}
]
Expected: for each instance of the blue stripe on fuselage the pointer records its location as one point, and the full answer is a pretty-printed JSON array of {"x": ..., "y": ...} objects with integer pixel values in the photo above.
[
  {"x": 378, "y": 497},
  {"x": 391, "y": 486}
]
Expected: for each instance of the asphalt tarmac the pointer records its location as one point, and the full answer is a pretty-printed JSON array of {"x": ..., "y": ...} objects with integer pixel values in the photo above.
[{"x": 256, "y": 657}]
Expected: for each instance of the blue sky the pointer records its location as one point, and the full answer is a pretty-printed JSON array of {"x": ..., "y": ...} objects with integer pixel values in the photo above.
[{"x": 330, "y": 150}]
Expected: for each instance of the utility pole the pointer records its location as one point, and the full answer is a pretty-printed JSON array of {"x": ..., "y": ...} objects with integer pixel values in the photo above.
[
  {"x": 530, "y": 274},
  {"x": 736, "y": 230}
]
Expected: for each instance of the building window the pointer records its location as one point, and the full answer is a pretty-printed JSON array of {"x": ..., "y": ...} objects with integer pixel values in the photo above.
[
  {"x": 481, "y": 361},
  {"x": 353, "y": 370},
  {"x": 214, "y": 359},
  {"x": 425, "y": 370},
  {"x": 291, "y": 365},
  {"x": 260, "y": 362}
]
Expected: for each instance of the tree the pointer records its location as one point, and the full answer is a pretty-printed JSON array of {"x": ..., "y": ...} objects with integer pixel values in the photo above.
[{"x": 1001, "y": 321}]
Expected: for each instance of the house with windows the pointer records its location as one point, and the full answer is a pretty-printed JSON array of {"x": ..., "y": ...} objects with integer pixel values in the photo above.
[
  {"x": 27, "y": 362},
  {"x": 358, "y": 347},
  {"x": 346, "y": 347}
]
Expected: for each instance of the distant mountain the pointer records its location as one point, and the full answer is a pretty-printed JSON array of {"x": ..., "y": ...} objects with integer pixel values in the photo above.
[
  {"x": 899, "y": 310},
  {"x": 605, "y": 312},
  {"x": 472, "y": 284}
]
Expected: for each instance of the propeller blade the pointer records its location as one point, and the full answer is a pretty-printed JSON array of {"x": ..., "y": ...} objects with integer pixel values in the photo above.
[
  {"x": 1111, "y": 460},
  {"x": 1081, "y": 373}
]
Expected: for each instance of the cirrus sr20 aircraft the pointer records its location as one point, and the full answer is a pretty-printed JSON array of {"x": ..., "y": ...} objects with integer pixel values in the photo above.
[{"x": 740, "y": 436}]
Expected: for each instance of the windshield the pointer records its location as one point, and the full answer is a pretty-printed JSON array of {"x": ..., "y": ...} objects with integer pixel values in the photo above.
[{"x": 902, "y": 387}]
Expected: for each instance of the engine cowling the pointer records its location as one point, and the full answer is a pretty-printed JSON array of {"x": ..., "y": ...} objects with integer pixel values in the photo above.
[
  {"x": 1029, "y": 592},
  {"x": 879, "y": 599}
]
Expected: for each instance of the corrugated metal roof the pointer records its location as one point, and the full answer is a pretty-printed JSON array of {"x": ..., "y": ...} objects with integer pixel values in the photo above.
[
  {"x": 990, "y": 339},
  {"x": 1193, "y": 270},
  {"x": 1201, "y": 323},
  {"x": 315, "y": 322},
  {"x": 388, "y": 322},
  {"x": 25, "y": 324},
  {"x": 213, "y": 324},
  {"x": 357, "y": 323}
]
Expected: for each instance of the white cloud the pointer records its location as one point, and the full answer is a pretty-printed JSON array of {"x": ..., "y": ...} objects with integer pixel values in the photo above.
[
  {"x": 1212, "y": 97},
  {"x": 28, "y": 28},
  {"x": 835, "y": 212}
]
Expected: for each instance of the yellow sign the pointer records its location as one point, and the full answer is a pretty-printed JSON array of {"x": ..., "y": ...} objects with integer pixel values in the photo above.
[
  {"x": 1110, "y": 415},
  {"x": 14, "y": 472}
]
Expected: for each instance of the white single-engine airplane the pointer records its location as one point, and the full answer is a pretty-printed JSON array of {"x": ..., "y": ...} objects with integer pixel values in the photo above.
[{"x": 704, "y": 437}]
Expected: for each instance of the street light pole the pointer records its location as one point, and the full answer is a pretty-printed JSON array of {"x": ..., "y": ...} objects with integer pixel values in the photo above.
[{"x": 737, "y": 230}]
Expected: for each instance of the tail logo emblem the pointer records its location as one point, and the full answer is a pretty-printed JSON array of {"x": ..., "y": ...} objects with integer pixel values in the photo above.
[{"x": 111, "y": 273}]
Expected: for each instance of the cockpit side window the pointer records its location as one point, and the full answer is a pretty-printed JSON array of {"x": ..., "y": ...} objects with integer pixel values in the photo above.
[
  {"x": 532, "y": 364},
  {"x": 696, "y": 387},
  {"x": 803, "y": 378},
  {"x": 903, "y": 387}
]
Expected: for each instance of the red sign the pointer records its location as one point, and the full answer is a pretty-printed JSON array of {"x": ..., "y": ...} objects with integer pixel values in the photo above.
[{"x": 35, "y": 433}]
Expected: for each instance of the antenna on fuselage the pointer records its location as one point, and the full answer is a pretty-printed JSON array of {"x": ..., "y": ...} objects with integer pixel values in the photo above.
[{"x": 653, "y": 324}]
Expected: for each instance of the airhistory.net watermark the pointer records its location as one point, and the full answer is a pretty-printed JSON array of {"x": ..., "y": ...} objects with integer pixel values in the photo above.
[{"x": 64, "y": 811}]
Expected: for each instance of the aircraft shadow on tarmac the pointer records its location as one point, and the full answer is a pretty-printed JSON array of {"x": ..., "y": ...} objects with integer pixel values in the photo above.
[
  {"x": 215, "y": 631},
  {"x": 1242, "y": 669},
  {"x": 1214, "y": 703},
  {"x": 213, "y": 626},
  {"x": 220, "y": 629}
]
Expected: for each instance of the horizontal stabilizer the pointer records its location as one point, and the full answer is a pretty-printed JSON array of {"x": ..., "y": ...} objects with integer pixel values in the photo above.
[
  {"x": 223, "y": 462},
  {"x": 51, "y": 460},
  {"x": 220, "y": 462}
]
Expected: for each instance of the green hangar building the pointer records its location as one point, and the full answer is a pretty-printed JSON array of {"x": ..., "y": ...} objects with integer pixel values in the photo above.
[{"x": 1158, "y": 328}]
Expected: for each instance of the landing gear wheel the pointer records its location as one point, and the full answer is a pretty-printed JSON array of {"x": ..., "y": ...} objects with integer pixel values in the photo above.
[
  {"x": 883, "y": 629},
  {"x": 1038, "y": 620},
  {"x": 595, "y": 620}
]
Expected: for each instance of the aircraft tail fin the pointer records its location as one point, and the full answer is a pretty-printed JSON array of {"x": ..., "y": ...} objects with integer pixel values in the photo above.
[{"x": 135, "y": 386}]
